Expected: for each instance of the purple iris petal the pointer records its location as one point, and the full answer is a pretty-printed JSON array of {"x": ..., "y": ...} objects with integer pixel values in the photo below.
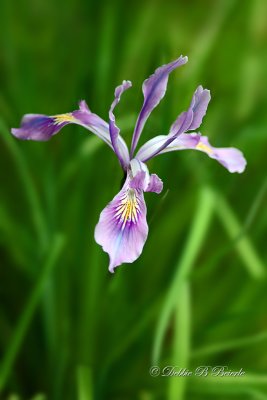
[
  {"x": 187, "y": 120},
  {"x": 122, "y": 228},
  {"x": 141, "y": 179},
  {"x": 231, "y": 158},
  {"x": 199, "y": 105},
  {"x": 155, "y": 185},
  {"x": 182, "y": 123},
  {"x": 122, "y": 153},
  {"x": 151, "y": 147},
  {"x": 154, "y": 89},
  {"x": 37, "y": 127},
  {"x": 192, "y": 118},
  {"x": 42, "y": 127}
]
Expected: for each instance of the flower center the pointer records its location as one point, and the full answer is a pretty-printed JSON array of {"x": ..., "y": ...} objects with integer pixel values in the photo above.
[
  {"x": 61, "y": 118},
  {"x": 128, "y": 208}
]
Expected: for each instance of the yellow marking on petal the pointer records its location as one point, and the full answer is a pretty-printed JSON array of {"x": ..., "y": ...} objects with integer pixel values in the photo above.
[
  {"x": 128, "y": 208},
  {"x": 59, "y": 119},
  {"x": 204, "y": 147}
]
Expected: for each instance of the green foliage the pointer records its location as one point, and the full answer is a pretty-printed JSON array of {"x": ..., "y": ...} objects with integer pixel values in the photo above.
[{"x": 197, "y": 295}]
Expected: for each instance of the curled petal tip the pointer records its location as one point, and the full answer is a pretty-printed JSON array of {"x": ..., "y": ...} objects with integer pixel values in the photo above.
[
  {"x": 127, "y": 83},
  {"x": 83, "y": 106}
]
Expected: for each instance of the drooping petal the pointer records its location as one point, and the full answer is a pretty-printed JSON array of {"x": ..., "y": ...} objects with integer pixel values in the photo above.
[
  {"x": 141, "y": 179},
  {"x": 154, "y": 89},
  {"x": 42, "y": 127},
  {"x": 122, "y": 153},
  {"x": 230, "y": 157},
  {"x": 122, "y": 228}
]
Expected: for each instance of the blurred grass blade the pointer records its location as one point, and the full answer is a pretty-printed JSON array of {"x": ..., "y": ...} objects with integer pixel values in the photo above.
[
  {"x": 250, "y": 258},
  {"x": 200, "y": 224},
  {"x": 181, "y": 347},
  {"x": 26, "y": 317},
  {"x": 206, "y": 41},
  {"x": 256, "y": 204},
  {"x": 23, "y": 172},
  {"x": 39, "y": 396},
  {"x": 84, "y": 383},
  {"x": 87, "y": 149},
  {"x": 229, "y": 345},
  {"x": 246, "y": 380}
]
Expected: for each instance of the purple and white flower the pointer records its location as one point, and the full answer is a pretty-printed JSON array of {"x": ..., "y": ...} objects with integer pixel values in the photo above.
[{"x": 122, "y": 228}]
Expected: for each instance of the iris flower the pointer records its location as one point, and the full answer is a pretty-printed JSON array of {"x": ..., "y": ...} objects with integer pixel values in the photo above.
[{"x": 122, "y": 227}]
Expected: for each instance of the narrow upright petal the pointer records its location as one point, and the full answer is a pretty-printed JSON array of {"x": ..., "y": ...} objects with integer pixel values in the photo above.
[
  {"x": 154, "y": 89},
  {"x": 121, "y": 152},
  {"x": 122, "y": 228},
  {"x": 199, "y": 105},
  {"x": 192, "y": 118},
  {"x": 186, "y": 121}
]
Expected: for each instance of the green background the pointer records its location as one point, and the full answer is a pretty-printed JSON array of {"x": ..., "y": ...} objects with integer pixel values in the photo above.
[{"x": 197, "y": 295}]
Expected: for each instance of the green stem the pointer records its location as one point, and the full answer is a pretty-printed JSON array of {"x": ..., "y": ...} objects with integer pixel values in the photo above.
[
  {"x": 229, "y": 345},
  {"x": 84, "y": 383},
  {"x": 243, "y": 245},
  {"x": 181, "y": 348}
]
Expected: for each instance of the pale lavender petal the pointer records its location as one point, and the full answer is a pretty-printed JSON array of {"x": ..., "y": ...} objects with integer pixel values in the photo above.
[
  {"x": 187, "y": 120},
  {"x": 182, "y": 123},
  {"x": 141, "y": 179},
  {"x": 154, "y": 89},
  {"x": 230, "y": 157},
  {"x": 122, "y": 228},
  {"x": 122, "y": 153},
  {"x": 192, "y": 118},
  {"x": 138, "y": 182},
  {"x": 155, "y": 184},
  {"x": 199, "y": 107},
  {"x": 150, "y": 147},
  {"x": 139, "y": 174},
  {"x": 183, "y": 142}
]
